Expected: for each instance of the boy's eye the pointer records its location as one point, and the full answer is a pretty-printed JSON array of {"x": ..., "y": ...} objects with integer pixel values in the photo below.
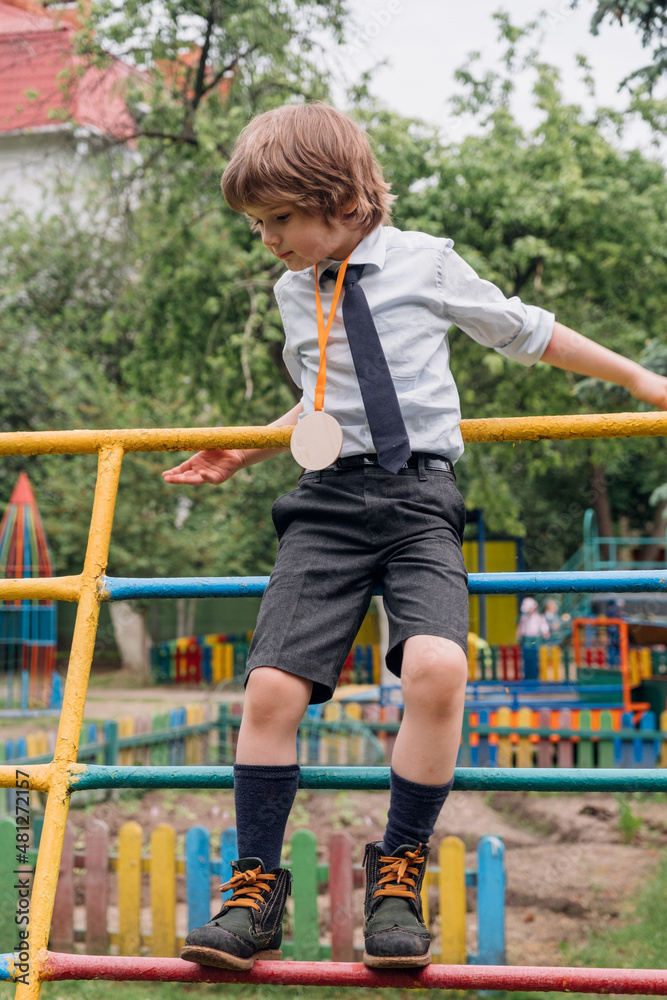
[{"x": 282, "y": 218}]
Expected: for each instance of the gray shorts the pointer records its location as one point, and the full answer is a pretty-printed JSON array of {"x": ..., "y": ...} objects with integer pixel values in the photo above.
[{"x": 343, "y": 533}]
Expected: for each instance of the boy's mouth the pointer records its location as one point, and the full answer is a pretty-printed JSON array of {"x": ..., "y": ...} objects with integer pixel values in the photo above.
[{"x": 283, "y": 256}]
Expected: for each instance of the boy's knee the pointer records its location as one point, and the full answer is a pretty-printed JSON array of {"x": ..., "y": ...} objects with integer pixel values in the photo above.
[
  {"x": 434, "y": 670},
  {"x": 273, "y": 693}
]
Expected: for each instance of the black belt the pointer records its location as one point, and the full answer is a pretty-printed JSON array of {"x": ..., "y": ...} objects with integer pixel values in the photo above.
[{"x": 435, "y": 462}]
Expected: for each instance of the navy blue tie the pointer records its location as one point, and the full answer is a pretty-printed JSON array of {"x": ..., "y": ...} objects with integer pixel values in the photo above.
[{"x": 383, "y": 412}]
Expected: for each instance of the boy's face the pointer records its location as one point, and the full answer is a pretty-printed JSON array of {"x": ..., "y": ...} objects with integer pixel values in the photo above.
[{"x": 301, "y": 240}]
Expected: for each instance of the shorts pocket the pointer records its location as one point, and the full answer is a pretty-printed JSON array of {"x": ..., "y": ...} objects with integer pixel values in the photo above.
[{"x": 282, "y": 512}]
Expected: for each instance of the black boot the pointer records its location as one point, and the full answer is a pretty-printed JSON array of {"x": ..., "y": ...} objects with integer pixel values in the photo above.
[
  {"x": 395, "y": 932},
  {"x": 248, "y": 925}
]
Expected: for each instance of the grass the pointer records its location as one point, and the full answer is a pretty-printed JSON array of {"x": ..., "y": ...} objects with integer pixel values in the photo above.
[
  {"x": 640, "y": 942},
  {"x": 629, "y": 825},
  {"x": 95, "y": 990}
]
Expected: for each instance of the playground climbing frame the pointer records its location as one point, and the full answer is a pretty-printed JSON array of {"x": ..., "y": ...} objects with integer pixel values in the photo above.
[{"x": 63, "y": 775}]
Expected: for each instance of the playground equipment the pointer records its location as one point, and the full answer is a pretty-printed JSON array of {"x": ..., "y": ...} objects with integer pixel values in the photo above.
[
  {"x": 613, "y": 552},
  {"x": 27, "y": 627},
  {"x": 33, "y": 963},
  {"x": 618, "y": 550},
  {"x": 614, "y": 648}
]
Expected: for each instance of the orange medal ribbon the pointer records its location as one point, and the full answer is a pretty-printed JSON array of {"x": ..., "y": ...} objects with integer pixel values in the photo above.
[{"x": 323, "y": 332}]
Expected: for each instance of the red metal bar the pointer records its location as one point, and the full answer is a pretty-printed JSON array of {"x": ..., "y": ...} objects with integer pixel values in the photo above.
[{"x": 465, "y": 977}]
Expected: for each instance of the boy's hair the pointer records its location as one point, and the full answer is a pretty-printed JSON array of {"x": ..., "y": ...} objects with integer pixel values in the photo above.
[{"x": 311, "y": 156}]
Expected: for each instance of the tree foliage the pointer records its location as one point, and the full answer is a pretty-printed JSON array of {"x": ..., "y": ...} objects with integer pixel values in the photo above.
[{"x": 650, "y": 18}]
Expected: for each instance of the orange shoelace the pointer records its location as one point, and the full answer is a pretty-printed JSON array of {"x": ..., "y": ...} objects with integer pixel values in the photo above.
[
  {"x": 247, "y": 888},
  {"x": 396, "y": 881}
]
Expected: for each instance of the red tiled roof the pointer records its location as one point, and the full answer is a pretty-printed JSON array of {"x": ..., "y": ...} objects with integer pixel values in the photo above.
[
  {"x": 39, "y": 75},
  {"x": 31, "y": 15}
]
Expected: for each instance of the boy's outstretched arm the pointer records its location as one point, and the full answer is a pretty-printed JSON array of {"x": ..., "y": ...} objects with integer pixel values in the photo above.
[
  {"x": 219, "y": 465},
  {"x": 576, "y": 353}
]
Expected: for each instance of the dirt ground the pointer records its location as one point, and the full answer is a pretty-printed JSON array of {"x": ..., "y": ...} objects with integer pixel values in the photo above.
[{"x": 569, "y": 865}]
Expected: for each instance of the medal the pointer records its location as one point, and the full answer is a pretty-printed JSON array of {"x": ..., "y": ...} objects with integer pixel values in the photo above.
[{"x": 317, "y": 439}]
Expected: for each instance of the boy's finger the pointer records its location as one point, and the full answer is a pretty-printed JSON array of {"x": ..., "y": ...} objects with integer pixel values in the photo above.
[{"x": 189, "y": 477}]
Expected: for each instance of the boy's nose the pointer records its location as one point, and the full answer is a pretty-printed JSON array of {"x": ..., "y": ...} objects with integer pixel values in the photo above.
[{"x": 269, "y": 239}]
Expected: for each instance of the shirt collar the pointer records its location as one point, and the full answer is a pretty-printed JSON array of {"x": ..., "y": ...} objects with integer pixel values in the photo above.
[{"x": 372, "y": 249}]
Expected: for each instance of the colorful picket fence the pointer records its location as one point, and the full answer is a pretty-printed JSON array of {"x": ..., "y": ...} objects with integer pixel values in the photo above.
[
  {"x": 214, "y": 659},
  {"x": 137, "y": 902},
  {"x": 557, "y": 664},
  {"x": 218, "y": 658},
  {"x": 529, "y": 737},
  {"x": 211, "y": 659},
  {"x": 564, "y": 738}
]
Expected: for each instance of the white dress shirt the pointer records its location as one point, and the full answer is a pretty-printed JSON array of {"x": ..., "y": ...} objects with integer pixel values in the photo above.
[{"x": 417, "y": 287}]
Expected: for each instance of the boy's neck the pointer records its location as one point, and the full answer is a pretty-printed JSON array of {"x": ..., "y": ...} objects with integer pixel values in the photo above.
[{"x": 335, "y": 262}]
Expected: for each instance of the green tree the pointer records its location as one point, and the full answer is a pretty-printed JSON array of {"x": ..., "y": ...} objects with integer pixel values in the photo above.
[{"x": 649, "y": 17}]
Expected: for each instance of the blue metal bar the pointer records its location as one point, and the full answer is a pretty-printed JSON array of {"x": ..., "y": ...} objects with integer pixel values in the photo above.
[
  {"x": 620, "y": 581},
  {"x": 377, "y": 778},
  {"x": 124, "y": 588},
  {"x": 7, "y": 967}
]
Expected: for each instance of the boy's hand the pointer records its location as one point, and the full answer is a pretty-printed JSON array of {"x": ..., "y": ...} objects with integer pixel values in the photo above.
[
  {"x": 650, "y": 388},
  {"x": 216, "y": 466}
]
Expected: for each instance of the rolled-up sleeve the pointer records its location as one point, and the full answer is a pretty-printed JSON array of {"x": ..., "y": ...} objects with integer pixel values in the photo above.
[{"x": 480, "y": 309}]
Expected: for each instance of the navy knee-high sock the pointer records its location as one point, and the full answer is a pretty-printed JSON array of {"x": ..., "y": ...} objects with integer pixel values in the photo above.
[
  {"x": 413, "y": 811},
  {"x": 263, "y": 795}
]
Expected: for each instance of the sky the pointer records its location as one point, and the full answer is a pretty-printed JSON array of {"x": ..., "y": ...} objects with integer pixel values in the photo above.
[{"x": 424, "y": 41}]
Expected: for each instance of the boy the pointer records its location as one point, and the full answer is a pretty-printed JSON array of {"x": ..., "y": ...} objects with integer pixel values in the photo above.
[{"x": 387, "y": 511}]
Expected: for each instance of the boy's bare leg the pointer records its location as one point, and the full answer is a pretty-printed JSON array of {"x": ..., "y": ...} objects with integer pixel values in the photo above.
[
  {"x": 274, "y": 704},
  {"x": 433, "y": 678}
]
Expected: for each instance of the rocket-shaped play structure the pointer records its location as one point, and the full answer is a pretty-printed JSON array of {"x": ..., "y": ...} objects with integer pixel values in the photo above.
[{"x": 27, "y": 627}]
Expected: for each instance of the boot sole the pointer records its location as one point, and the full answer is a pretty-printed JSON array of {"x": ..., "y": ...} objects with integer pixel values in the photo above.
[
  {"x": 396, "y": 961},
  {"x": 225, "y": 960}
]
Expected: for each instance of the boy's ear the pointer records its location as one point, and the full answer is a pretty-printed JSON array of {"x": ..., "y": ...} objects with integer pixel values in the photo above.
[{"x": 350, "y": 206}]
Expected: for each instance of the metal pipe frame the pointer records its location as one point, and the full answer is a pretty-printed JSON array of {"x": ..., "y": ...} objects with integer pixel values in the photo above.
[
  {"x": 63, "y": 775},
  {"x": 647, "y": 982}
]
